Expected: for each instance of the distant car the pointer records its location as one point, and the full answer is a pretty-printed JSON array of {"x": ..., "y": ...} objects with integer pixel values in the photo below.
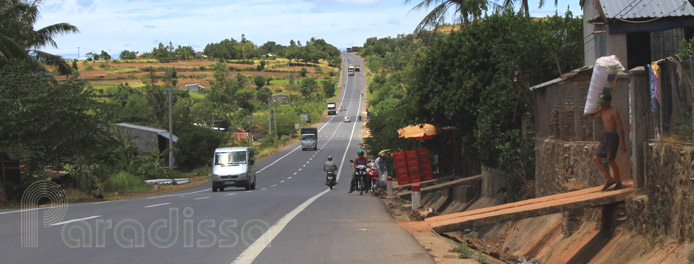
[{"x": 348, "y": 119}]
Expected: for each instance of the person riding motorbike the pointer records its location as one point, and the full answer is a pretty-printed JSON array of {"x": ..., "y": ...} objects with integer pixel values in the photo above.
[
  {"x": 360, "y": 160},
  {"x": 329, "y": 167}
]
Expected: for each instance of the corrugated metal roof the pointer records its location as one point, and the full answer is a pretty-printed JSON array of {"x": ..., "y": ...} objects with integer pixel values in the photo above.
[
  {"x": 633, "y": 9},
  {"x": 160, "y": 132}
]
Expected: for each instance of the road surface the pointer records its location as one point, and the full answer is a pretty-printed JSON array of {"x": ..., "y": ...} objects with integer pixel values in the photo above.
[{"x": 291, "y": 217}]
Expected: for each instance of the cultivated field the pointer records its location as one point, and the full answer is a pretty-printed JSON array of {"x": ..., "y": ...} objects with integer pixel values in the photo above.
[{"x": 107, "y": 75}]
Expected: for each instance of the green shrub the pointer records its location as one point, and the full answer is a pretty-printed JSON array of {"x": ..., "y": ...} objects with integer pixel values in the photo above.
[
  {"x": 464, "y": 251},
  {"x": 125, "y": 182}
]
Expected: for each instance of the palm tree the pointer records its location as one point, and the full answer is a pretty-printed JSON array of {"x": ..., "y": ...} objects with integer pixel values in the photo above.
[
  {"x": 19, "y": 40},
  {"x": 524, "y": 5},
  {"x": 464, "y": 11}
]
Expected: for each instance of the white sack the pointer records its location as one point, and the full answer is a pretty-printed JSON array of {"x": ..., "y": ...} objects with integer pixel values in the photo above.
[{"x": 604, "y": 76}]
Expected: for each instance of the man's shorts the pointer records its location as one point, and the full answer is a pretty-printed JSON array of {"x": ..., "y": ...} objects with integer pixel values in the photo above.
[{"x": 608, "y": 146}]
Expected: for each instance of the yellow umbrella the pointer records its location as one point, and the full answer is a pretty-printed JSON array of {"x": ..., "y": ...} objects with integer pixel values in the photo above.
[{"x": 418, "y": 132}]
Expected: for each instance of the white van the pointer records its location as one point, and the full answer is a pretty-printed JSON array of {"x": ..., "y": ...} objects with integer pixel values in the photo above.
[{"x": 233, "y": 167}]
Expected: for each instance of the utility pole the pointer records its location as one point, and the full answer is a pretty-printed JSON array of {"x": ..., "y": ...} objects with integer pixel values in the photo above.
[
  {"x": 171, "y": 157},
  {"x": 78, "y": 53},
  {"x": 269, "y": 116},
  {"x": 274, "y": 113},
  {"x": 250, "y": 131}
]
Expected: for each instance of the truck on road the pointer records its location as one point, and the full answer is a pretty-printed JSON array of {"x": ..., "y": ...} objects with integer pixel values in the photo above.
[
  {"x": 309, "y": 138},
  {"x": 332, "y": 110},
  {"x": 350, "y": 70}
]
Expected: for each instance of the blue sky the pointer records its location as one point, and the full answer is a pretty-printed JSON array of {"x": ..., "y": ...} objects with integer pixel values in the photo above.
[{"x": 140, "y": 25}]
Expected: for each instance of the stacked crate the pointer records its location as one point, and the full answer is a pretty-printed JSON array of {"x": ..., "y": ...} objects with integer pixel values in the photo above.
[
  {"x": 413, "y": 166},
  {"x": 424, "y": 165},
  {"x": 400, "y": 163}
]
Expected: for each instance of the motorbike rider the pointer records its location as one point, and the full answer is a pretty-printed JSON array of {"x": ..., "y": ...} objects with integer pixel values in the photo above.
[
  {"x": 329, "y": 167},
  {"x": 360, "y": 160}
]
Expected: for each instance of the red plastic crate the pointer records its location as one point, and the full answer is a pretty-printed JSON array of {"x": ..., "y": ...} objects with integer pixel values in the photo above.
[
  {"x": 424, "y": 164},
  {"x": 403, "y": 178},
  {"x": 414, "y": 176}
]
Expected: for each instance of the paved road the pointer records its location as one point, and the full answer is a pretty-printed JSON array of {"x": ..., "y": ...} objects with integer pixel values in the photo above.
[{"x": 292, "y": 217}]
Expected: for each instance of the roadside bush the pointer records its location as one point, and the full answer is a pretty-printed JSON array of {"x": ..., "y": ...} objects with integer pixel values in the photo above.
[
  {"x": 124, "y": 181},
  {"x": 202, "y": 171}
]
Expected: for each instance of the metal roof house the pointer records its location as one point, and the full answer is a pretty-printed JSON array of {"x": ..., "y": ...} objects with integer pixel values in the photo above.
[
  {"x": 147, "y": 139},
  {"x": 636, "y": 31}
]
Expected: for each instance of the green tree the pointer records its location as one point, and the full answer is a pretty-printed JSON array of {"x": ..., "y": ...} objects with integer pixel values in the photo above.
[
  {"x": 308, "y": 86},
  {"x": 92, "y": 56},
  {"x": 128, "y": 55},
  {"x": 104, "y": 55},
  {"x": 328, "y": 87},
  {"x": 196, "y": 144},
  {"x": 259, "y": 81},
  {"x": 464, "y": 11},
  {"x": 524, "y": 5},
  {"x": 19, "y": 39},
  {"x": 46, "y": 123},
  {"x": 303, "y": 72}
]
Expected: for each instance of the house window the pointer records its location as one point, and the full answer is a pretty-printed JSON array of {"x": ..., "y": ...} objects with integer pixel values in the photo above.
[{"x": 667, "y": 42}]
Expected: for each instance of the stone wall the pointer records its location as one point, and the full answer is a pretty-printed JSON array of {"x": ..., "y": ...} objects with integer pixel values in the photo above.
[
  {"x": 665, "y": 206},
  {"x": 563, "y": 166}
]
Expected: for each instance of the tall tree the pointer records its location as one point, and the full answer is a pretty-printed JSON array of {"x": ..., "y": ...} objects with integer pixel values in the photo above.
[
  {"x": 19, "y": 39},
  {"x": 464, "y": 11},
  {"x": 508, "y": 4}
]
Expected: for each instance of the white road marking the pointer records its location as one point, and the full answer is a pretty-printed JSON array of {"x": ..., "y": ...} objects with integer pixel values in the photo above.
[
  {"x": 24, "y": 210},
  {"x": 102, "y": 202},
  {"x": 274, "y": 185},
  {"x": 294, "y": 174},
  {"x": 171, "y": 195},
  {"x": 200, "y": 198},
  {"x": 230, "y": 194},
  {"x": 155, "y": 205},
  {"x": 301, "y": 168},
  {"x": 75, "y": 220},
  {"x": 252, "y": 251},
  {"x": 289, "y": 178},
  {"x": 263, "y": 189},
  {"x": 247, "y": 191},
  {"x": 281, "y": 181}
]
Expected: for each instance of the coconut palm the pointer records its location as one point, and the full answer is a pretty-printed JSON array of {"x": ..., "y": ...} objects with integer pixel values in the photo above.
[
  {"x": 524, "y": 5},
  {"x": 19, "y": 39},
  {"x": 463, "y": 11}
]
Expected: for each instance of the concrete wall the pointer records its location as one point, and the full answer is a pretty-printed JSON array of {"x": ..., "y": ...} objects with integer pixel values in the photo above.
[
  {"x": 617, "y": 45},
  {"x": 589, "y": 13},
  {"x": 665, "y": 205}
]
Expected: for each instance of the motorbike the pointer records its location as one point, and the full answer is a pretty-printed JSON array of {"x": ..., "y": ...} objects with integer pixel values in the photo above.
[
  {"x": 360, "y": 172},
  {"x": 373, "y": 175},
  {"x": 330, "y": 179}
]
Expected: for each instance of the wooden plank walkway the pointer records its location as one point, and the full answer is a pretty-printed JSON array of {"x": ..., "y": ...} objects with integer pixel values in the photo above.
[{"x": 590, "y": 197}]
